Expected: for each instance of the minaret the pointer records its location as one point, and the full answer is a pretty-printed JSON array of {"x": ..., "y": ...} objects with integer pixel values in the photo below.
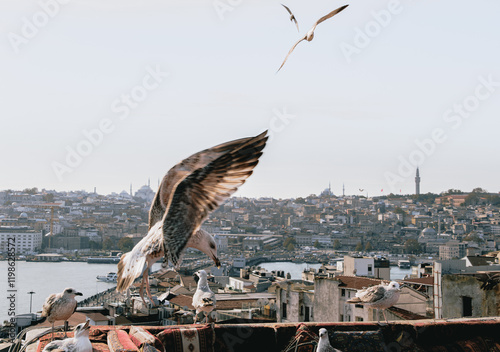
[
  {"x": 343, "y": 190},
  {"x": 131, "y": 190},
  {"x": 329, "y": 188},
  {"x": 417, "y": 183}
]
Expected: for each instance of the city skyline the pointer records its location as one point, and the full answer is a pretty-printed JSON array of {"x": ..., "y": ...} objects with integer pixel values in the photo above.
[{"x": 105, "y": 95}]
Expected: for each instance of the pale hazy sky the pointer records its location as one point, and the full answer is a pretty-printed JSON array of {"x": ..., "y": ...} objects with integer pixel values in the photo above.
[{"x": 377, "y": 77}]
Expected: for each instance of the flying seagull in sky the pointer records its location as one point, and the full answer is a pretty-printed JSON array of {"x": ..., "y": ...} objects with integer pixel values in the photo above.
[
  {"x": 378, "y": 297},
  {"x": 60, "y": 306},
  {"x": 310, "y": 35},
  {"x": 79, "y": 343},
  {"x": 292, "y": 16},
  {"x": 203, "y": 299},
  {"x": 149, "y": 250},
  {"x": 324, "y": 342}
]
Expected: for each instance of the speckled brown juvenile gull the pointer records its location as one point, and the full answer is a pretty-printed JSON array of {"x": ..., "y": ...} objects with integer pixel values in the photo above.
[{"x": 60, "y": 306}]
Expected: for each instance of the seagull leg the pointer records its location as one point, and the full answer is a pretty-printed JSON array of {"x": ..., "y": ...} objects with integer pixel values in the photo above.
[
  {"x": 383, "y": 311},
  {"x": 378, "y": 316},
  {"x": 52, "y": 334},
  {"x": 148, "y": 291},
  {"x": 65, "y": 328},
  {"x": 141, "y": 290}
]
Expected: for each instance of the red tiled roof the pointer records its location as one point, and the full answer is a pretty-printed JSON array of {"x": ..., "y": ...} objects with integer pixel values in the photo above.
[
  {"x": 357, "y": 282},
  {"x": 429, "y": 280},
  {"x": 406, "y": 315},
  {"x": 183, "y": 301}
]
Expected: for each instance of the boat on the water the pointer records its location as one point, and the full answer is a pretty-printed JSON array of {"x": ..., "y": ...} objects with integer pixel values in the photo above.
[
  {"x": 111, "y": 277},
  {"x": 404, "y": 264}
]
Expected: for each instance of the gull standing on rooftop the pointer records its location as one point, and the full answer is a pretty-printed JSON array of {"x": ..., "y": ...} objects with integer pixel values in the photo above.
[
  {"x": 324, "y": 342},
  {"x": 60, "y": 306},
  {"x": 203, "y": 298},
  {"x": 379, "y": 297}
]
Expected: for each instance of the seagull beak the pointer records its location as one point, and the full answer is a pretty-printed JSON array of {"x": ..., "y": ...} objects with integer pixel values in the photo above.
[
  {"x": 78, "y": 294},
  {"x": 217, "y": 262},
  {"x": 87, "y": 325}
]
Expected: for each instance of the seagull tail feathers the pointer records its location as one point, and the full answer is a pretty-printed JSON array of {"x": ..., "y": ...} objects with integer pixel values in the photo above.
[{"x": 130, "y": 267}]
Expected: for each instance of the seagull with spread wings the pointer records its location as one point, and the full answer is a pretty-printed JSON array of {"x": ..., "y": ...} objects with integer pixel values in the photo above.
[
  {"x": 219, "y": 171},
  {"x": 195, "y": 187},
  {"x": 310, "y": 35},
  {"x": 292, "y": 17}
]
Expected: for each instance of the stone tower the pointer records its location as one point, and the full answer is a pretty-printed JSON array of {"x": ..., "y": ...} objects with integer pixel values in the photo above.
[{"x": 417, "y": 183}]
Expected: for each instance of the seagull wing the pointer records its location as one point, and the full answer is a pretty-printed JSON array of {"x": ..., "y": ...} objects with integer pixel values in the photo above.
[
  {"x": 181, "y": 170},
  {"x": 371, "y": 294},
  {"x": 204, "y": 190},
  {"x": 49, "y": 303},
  {"x": 292, "y": 16},
  {"x": 331, "y": 14},
  {"x": 131, "y": 264},
  {"x": 293, "y": 47}
]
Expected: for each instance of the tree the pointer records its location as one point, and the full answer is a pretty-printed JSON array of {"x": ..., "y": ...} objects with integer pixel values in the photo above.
[
  {"x": 317, "y": 244},
  {"x": 412, "y": 246},
  {"x": 33, "y": 190},
  {"x": 398, "y": 210},
  {"x": 368, "y": 247},
  {"x": 300, "y": 200},
  {"x": 290, "y": 247},
  {"x": 359, "y": 247},
  {"x": 336, "y": 244},
  {"x": 452, "y": 191},
  {"x": 125, "y": 244},
  {"x": 107, "y": 244}
]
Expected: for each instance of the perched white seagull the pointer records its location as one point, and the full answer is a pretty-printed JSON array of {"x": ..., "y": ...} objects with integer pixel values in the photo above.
[
  {"x": 292, "y": 16},
  {"x": 379, "y": 297},
  {"x": 60, "y": 306},
  {"x": 79, "y": 343},
  {"x": 310, "y": 35},
  {"x": 203, "y": 298},
  {"x": 324, "y": 342},
  {"x": 149, "y": 250}
]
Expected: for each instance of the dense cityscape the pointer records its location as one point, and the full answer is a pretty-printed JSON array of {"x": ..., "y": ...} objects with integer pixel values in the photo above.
[{"x": 354, "y": 240}]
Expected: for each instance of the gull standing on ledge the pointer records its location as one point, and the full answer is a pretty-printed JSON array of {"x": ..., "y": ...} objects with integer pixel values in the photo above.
[
  {"x": 292, "y": 17},
  {"x": 203, "y": 298},
  {"x": 324, "y": 342},
  {"x": 60, "y": 306},
  {"x": 310, "y": 35},
  {"x": 379, "y": 297},
  {"x": 79, "y": 343}
]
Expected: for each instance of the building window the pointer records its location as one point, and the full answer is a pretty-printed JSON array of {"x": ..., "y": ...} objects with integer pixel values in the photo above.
[
  {"x": 369, "y": 268},
  {"x": 466, "y": 306},
  {"x": 343, "y": 292},
  {"x": 341, "y": 317},
  {"x": 358, "y": 306},
  {"x": 359, "y": 319},
  {"x": 306, "y": 318},
  {"x": 301, "y": 310},
  {"x": 283, "y": 310}
]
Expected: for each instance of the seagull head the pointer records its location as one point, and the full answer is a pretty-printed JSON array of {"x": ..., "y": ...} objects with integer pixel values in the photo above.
[
  {"x": 323, "y": 332},
  {"x": 206, "y": 243},
  {"x": 71, "y": 293},
  {"x": 393, "y": 285},
  {"x": 200, "y": 275},
  {"x": 82, "y": 329}
]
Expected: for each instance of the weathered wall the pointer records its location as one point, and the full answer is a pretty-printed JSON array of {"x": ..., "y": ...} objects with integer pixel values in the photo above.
[
  {"x": 454, "y": 287},
  {"x": 326, "y": 299}
]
